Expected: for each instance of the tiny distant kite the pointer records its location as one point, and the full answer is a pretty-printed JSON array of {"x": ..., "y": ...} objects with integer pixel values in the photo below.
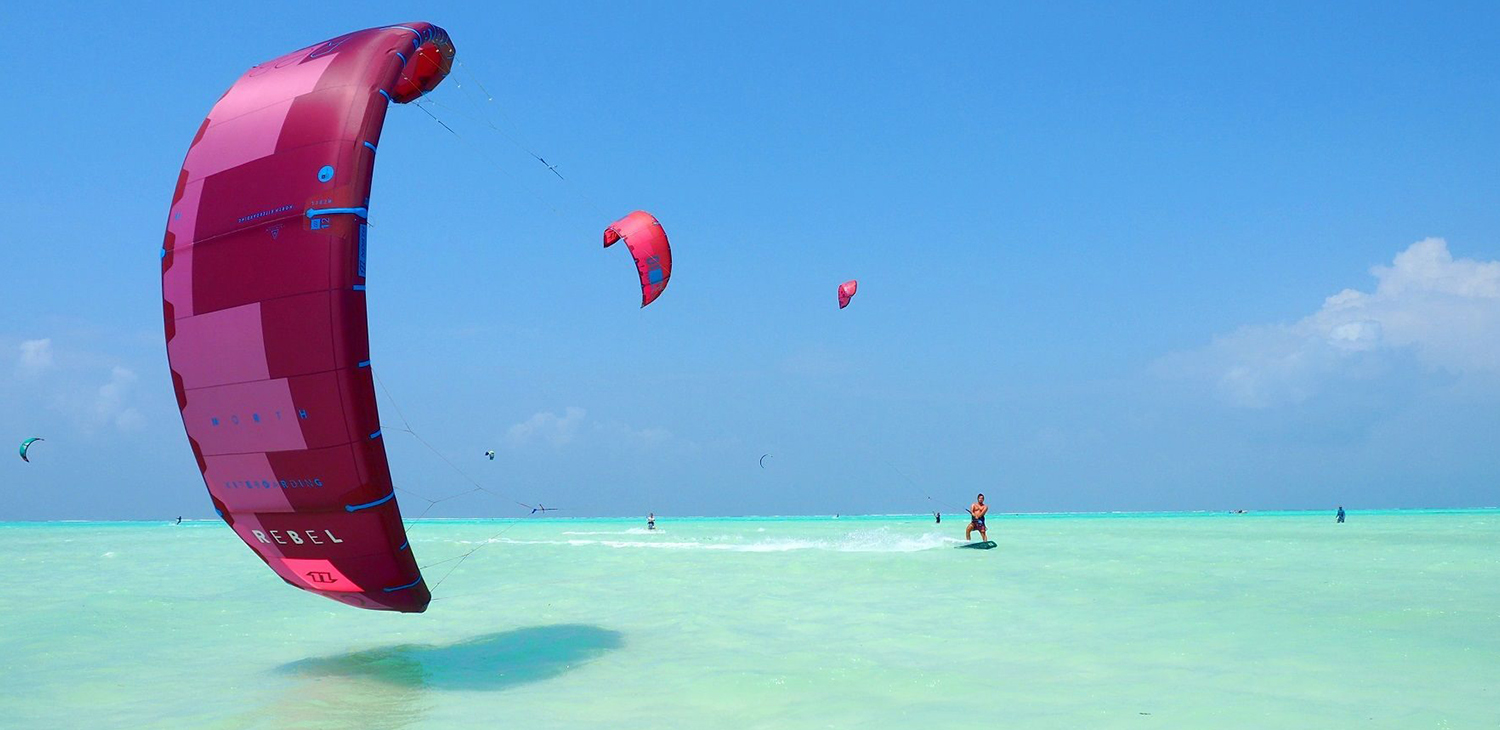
[
  {"x": 763, "y": 460},
  {"x": 543, "y": 510},
  {"x": 647, "y": 242},
  {"x": 490, "y": 454},
  {"x": 846, "y": 292},
  {"x": 25, "y": 445}
]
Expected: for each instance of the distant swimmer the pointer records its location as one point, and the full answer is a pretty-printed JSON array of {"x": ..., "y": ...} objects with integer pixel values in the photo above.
[
  {"x": 651, "y": 521},
  {"x": 1341, "y": 514},
  {"x": 977, "y": 511}
]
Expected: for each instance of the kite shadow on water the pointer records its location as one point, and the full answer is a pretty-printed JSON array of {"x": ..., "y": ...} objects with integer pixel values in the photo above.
[{"x": 490, "y": 662}]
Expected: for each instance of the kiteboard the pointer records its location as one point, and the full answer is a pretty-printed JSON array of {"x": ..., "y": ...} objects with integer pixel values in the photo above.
[{"x": 986, "y": 545}]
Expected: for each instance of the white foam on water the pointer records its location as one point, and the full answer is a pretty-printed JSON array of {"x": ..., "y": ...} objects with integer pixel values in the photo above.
[
  {"x": 883, "y": 540},
  {"x": 630, "y": 531},
  {"x": 863, "y": 541}
]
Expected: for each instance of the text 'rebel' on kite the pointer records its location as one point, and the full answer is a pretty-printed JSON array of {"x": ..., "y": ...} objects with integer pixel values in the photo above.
[{"x": 263, "y": 289}]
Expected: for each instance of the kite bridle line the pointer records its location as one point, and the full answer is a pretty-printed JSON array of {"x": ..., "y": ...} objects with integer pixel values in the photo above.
[
  {"x": 406, "y": 428},
  {"x": 482, "y": 111},
  {"x": 489, "y": 158},
  {"x": 406, "y": 425},
  {"x": 477, "y": 487},
  {"x": 483, "y": 117},
  {"x": 919, "y": 488},
  {"x": 426, "y": 102}
]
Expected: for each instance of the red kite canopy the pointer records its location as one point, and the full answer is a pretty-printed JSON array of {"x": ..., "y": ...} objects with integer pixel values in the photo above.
[
  {"x": 647, "y": 242},
  {"x": 846, "y": 292},
  {"x": 263, "y": 289}
]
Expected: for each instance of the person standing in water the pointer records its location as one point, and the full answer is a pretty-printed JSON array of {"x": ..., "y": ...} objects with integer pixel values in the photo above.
[
  {"x": 977, "y": 511},
  {"x": 651, "y": 521},
  {"x": 938, "y": 517},
  {"x": 1341, "y": 514}
]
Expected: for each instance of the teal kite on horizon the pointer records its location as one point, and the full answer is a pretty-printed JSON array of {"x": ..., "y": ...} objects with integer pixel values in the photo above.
[{"x": 27, "y": 445}]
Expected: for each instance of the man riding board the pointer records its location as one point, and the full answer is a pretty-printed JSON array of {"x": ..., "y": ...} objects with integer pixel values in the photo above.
[{"x": 977, "y": 511}]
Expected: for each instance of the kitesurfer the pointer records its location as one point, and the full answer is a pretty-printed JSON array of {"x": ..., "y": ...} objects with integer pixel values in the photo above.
[
  {"x": 179, "y": 519},
  {"x": 651, "y": 521},
  {"x": 1341, "y": 514},
  {"x": 938, "y": 516},
  {"x": 977, "y": 511}
]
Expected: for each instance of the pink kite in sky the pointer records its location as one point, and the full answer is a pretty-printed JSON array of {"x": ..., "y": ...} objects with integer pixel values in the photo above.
[
  {"x": 263, "y": 296},
  {"x": 647, "y": 242},
  {"x": 846, "y": 292}
]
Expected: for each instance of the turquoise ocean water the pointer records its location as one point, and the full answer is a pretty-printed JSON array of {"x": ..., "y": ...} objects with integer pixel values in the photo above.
[{"x": 1271, "y": 620}]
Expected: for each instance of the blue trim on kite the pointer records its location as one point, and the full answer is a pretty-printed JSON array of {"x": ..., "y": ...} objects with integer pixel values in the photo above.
[
  {"x": 364, "y": 363},
  {"x": 402, "y": 55},
  {"x": 367, "y": 505},
  {"x": 315, "y": 212},
  {"x": 402, "y": 588},
  {"x": 359, "y": 287},
  {"x": 372, "y": 147},
  {"x": 414, "y": 31},
  {"x": 221, "y": 512},
  {"x": 431, "y": 34},
  {"x": 386, "y": 94},
  {"x": 375, "y": 435},
  {"x": 163, "y": 253},
  {"x": 403, "y": 546}
]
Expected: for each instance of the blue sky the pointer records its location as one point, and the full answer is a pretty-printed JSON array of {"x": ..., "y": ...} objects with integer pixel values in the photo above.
[{"x": 1154, "y": 257}]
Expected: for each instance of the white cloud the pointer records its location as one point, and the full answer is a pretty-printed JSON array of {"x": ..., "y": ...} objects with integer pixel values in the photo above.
[
  {"x": 547, "y": 427},
  {"x": 129, "y": 419},
  {"x": 635, "y": 438},
  {"x": 1442, "y": 310},
  {"x": 36, "y": 356},
  {"x": 111, "y": 406}
]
